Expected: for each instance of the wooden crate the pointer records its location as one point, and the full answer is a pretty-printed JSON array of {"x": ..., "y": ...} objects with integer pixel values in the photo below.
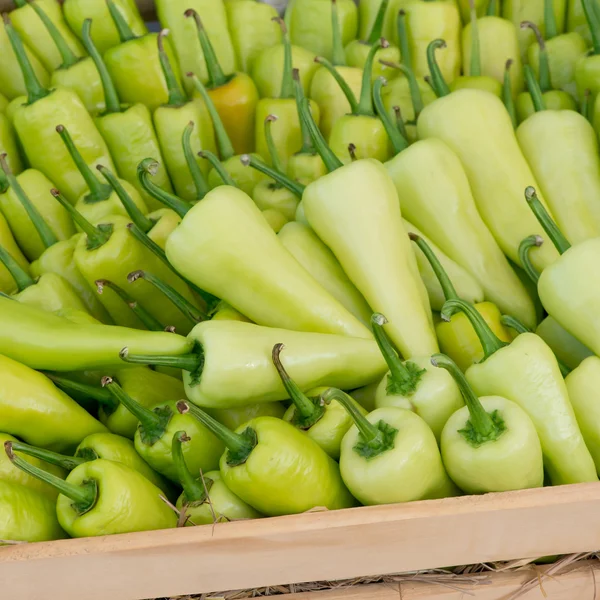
[{"x": 320, "y": 546}]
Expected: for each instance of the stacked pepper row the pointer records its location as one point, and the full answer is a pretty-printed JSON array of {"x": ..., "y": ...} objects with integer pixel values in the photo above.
[{"x": 259, "y": 266}]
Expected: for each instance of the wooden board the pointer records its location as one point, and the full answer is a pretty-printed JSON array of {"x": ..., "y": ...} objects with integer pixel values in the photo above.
[{"x": 322, "y": 546}]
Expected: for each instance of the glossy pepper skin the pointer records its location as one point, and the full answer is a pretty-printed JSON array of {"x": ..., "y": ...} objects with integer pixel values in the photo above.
[
  {"x": 459, "y": 118},
  {"x": 385, "y": 454},
  {"x": 106, "y": 34},
  {"x": 266, "y": 457},
  {"x": 514, "y": 371},
  {"x": 491, "y": 444},
  {"x": 311, "y": 360}
]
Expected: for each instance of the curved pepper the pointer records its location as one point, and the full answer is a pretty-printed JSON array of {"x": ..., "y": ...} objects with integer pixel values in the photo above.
[
  {"x": 7, "y": 283},
  {"x": 491, "y": 444},
  {"x": 234, "y": 417},
  {"x": 567, "y": 348}
]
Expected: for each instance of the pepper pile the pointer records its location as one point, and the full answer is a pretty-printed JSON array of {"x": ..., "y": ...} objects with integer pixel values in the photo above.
[{"x": 259, "y": 266}]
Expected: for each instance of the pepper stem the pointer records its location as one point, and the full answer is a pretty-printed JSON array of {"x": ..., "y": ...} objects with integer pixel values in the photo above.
[
  {"x": 252, "y": 161},
  {"x": 197, "y": 175},
  {"x": 489, "y": 340},
  {"x": 141, "y": 220},
  {"x": 438, "y": 83},
  {"x": 342, "y": 83},
  {"x": 514, "y": 323},
  {"x": 533, "y": 241},
  {"x": 271, "y": 147},
  {"x": 217, "y": 165},
  {"x": 586, "y": 105},
  {"x": 482, "y": 426},
  {"x": 21, "y": 277},
  {"x": 402, "y": 28},
  {"x": 177, "y": 96},
  {"x": 413, "y": 85},
  {"x": 96, "y": 236},
  {"x": 338, "y": 55},
  {"x": 194, "y": 314},
  {"x": 550, "y": 26},
  {"x": 545, "y": 220},
  {"x": 491, "y": 9},
  {"x": 123, "y": 29},
  {"x": 403, "y": 378},
  {"x": 307, "y": 413},
  {"x": 507, "y": 95},
  {"x": 84, "y": 496},
  {"x": 139, "y": 311},
  {"x": 331, "y": 161},
  {"x": 308, "y": 146},
  {"x": 194, "y": 490},
  {"x": 544, "y": 65},
  {"x": 223, "y": 141},
  {"x": 149, "y": 167},
  {"x": 98, "y": 191},
  {"x": 399, "y": 142},
  {"x": 365, "y": 104},
  {"x": 60, "y": 460},
  {"x": 287, "y": 82},
  {"x": 400, "y": 122},
  {"x": 67, "y": 55},
  {"x": 593, "y": 19},
  {"x": 534, "y": 89},
  {"x": 68, "y": 386},
  {"x": 43, "y": 229},
  {"x": 192, "y": 362},
  {"x": 239, "y": 446},
  {"x": 475, "y": 69},
  {"x": 377, "y": 29},
  {"x": 35, "y": 90}
]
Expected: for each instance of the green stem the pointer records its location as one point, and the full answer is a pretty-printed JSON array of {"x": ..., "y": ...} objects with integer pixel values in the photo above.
[
  {"x": 475, "y": 70},
  {"x": 194, "y": 314},
  {"x": 111, "y": 97},
  {"x": 586, "y": 105},
  {"x": 534, "y": 89},
  {"x": 67, "y": 55},
  {"x": 98, "y": 191},
  {"x": 482, "y": 426},
  {"x": 550, "y": 26},
  {"x": 413, "y": 84},
  {"x": 98, "y": 394},
  {"x": 97, "y": 236},
  {"x": 352, "y": 151},
  {"x": 507, "y": 95},
  {"x": 342, "y": 83},
  {"x": 20, "y": 3},
  {"x": 533, "y": 241},
  {"x": 43, "y": 229},
  {"x": 60, "y": 460},
  {"x": 403, "y": 39},
  {"x": 35, "y": 90},
  {"x": 191, "y": 362},
  {"x": 399, "y": 142},
  {"x": 491, "y": 9},
  {"x": 365, "y": 104},
  {"x": 194, "y": 490},
  {"x": 217, "y": 165},
  {"x": 83, "y": 496},
  {"x": 338, "y": 55},
  {"x": 198, "y": 178},
  {"x": 215, "y": 72},
  {"x": 145, "y": 170},
  {"x": 123, "y": 29},
  {"x": 593, "y": 22},
  {"x": 400, "y": 122},
  {"x": 223, "y": 141},
  {"x": 305, "y": 409},
  {"x": 139, "y": 311},
  {"x": 308, "y": 146},
  {"x": 377, "y": 29},
  {"x": 544, "y": 65},
  {"x": 514, "y": 323},
  {"x": 446, "y": 284},
  {"x": 489, "y": 340},
  {"x": 271, "y": 147},
  {"x": 177, "y": 96},
  {"x": 21, "y": 277},
  {"x": 252, "y": 161},
  {"x": 239, "y": 446},
  {"x": 287, "y": 82},
  {"x": 140, "y": 220},
  {"x": 545, "y": 220},
  {"x": 440, "y": 87},
  {"x": 331, "y": 161}
]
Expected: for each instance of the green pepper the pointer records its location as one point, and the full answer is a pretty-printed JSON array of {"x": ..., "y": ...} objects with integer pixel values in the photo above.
[
  {"x": 102, "y": 497},
  {"x": 8, "y": 285},
  {"x": 365, "y": 395},
  {"x": 206, "y": 499},
  {"x": 491, "y": 444},
  {"x": 482, "y": 8},
  {"x": 514, "y": 371},
  {"x": 171, "y": 14},
  {"x": 3, "y": 103},
  {"x": 155, "y": 431},
  {"x": 309, "y": 24},
  {"x": 234, "y": 417},
  {"x": 106, "y": 35},
  {"x": 36, "y": 22},
  {"x": 267, "y": 457},
  {"x": 135, "y": 66},
  {"x": 35, "y": 123},
  {"x": 230, "y": 365},
  {"x": 577, "y": 19},
  {"x": 587, "y": 69},
  {"x": 9, "y": 145},
  {"x": 495, "y": 166},
  {"x": 567, "y": 348},
  {"x": 304, "y": 245},
  {"x": 252, "y": 30},
  {"x": 384, "y": 455},
  {"x": 27, "y": 196}
]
